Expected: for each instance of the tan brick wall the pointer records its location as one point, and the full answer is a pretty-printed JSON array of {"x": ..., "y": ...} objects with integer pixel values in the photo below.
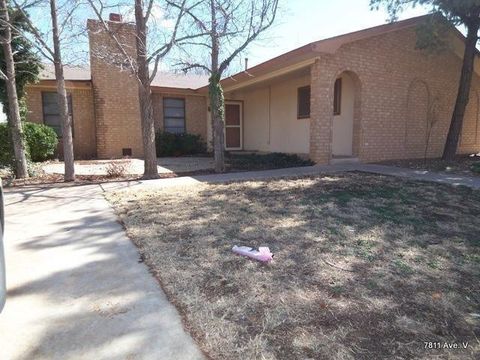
[
  {"x": 115, "y": 92},
  {"x": 195, "y": 112},
  {"x": 396, "y": 83},
  {"x": 84, "y": 141}
]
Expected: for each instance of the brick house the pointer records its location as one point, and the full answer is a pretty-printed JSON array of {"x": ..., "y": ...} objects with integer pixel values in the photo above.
[{"x": 368, "y": 95}]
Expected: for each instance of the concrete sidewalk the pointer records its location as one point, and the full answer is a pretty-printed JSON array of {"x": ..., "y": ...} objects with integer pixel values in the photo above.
[
  {"x": 421, "y": 175},
  {"x": 76, "y": 289},
  {"x": 229, "y": 177}
]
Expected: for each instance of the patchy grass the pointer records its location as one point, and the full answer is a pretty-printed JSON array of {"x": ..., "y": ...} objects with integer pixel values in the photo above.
[
  {"x": 462, "y": 165},
  {"x": 255, "y": 161},
  {"x": 365, "y": 267}
]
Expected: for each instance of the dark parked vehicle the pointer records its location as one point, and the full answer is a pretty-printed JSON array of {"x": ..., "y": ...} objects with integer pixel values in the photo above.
[{"x": 3, "y": 291}]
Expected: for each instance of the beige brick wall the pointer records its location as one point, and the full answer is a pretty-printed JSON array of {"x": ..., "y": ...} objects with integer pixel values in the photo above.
[
  {"x": 195, "y": 112},
  {"x": 115, "y": 92},
  {"x": 396, "y": 84},
  {"x": 84, "y": 141}
]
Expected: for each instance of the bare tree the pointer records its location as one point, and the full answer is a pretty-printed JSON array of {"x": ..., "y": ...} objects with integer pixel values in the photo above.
[
  {"x": 21, "y": 169},
  {"x": 139, "y": 65},
  {"x": 54, "y": 54},
  {"x": 229, "y": 27}
]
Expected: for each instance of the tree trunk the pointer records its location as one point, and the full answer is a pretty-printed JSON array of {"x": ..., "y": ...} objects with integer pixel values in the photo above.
[
  {"x": 463, "y": 94},
  {"x": 217, "y": 105},
  {"x": 15, "y": 123},
  {"x": 67, "y": 137},
  {"x": 145, "y": 96}
]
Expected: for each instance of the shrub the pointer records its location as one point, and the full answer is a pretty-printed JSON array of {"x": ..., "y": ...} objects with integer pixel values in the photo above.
[
  {"x": 178, "y": 144},
  {"x": 117, "y": 168},
  {"x": 266, "y": 161},
  {"x": 41, "y": 143},
  {"x": 6, "y": 151},
  {"x": 41, "y": 140},
  {"x": 476, "y": 168}
]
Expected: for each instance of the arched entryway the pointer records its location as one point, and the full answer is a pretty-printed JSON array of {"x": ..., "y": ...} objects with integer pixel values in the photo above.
[{"x": 346, "y": 116}]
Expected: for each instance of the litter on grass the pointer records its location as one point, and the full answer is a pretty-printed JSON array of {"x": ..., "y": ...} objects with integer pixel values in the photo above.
[{"x": 263, "y": 254}]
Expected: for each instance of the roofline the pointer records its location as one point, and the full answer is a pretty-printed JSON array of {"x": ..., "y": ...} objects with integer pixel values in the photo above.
[
  {"x": 87, "y": 84},
  {"x": 311, "y": 50},
  {"x": 176, "y": 90}
]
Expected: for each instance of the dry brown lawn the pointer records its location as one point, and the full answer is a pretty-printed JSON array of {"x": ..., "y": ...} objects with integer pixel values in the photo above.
[{"x": 365, "y": 267}]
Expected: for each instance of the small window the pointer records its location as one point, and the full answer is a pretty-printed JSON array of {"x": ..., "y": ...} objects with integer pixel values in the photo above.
[
  {"x": 51, "y": 111},
  {"x": 174, "y": 115},
  {"x": 303, "y": 101},
  {"x": 337, "y": 97}
]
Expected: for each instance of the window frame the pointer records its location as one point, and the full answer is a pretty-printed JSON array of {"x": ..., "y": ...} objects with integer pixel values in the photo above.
[
  {"x": 184, "y": 117},
  {"x": 70, "y": 112},
  {"x": 337, "y": 97},
  {"x": 299, "y": 91}
]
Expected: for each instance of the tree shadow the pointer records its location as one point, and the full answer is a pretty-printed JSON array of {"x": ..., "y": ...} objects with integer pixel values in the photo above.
[
  {"x": 77, "y": 288},
  {"x": 365, "y": 266}
]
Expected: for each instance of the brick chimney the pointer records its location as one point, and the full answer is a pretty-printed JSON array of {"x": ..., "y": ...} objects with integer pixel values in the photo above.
[
  {"x": 115, "y": 17},
  {"x": 115, "y": 90}
]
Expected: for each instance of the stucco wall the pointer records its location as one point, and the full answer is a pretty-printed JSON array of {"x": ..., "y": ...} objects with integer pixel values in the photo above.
[
  {"x": 84, "y": 140},
  {"x": 393, "y": 107},
  {"x": 270, "y": 117}
]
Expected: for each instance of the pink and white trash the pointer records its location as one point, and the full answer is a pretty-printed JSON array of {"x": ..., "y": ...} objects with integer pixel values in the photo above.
[{"x": 263, "y": 254}]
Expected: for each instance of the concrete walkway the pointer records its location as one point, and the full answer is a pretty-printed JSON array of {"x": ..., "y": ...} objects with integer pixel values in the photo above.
[
  {"x": 76, "y": 289},
  {"x": 229, "y": 177},
  {"x": 421, "y": 175}
]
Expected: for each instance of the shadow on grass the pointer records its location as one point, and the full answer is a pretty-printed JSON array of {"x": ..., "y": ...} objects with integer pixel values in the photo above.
[{"x": 365, "y": 266}]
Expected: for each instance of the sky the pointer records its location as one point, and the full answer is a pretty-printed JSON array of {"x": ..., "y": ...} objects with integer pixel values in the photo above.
[
  {"x": 303, "y": 21},
  {"x": 298, "y": 22}
]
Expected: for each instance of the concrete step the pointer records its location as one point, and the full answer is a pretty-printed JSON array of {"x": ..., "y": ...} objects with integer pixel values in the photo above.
[{"x": 344, "y": 160}]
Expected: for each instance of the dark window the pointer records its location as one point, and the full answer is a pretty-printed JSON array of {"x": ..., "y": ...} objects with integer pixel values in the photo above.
[
  {"x": 174, "y": 115},
  {"x": 303, "y": 101},
  {"x": 51, "y": 111},
  {"x": 337, "y": 97}
]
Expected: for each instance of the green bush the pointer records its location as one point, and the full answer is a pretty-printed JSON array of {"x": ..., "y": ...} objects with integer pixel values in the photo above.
[
  {"x": 266, "y": 161},
  {"x": 476, "y": 168},
  {"x": 41, "y": 143},
  {"x": 6, "y": 151},
  {"x": 178, "y": 144},
  {"x": 41, "y": 140}
]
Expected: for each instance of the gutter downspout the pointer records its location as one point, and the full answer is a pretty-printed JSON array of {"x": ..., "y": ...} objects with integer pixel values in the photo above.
[{"x": 269, "y": 115}]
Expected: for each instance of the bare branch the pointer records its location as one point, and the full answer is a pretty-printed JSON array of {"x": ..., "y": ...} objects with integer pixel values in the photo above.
[
  {"x": 37, "y": 35},
  {"x": 185, "y": 67},
  {"x": 253, "y": 32},
  {"x": 149, "y": 10}
]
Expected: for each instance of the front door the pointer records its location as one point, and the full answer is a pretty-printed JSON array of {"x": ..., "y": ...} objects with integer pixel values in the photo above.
[
  {"x": 342, "y": 144},
  {"x": 233, "y": 126}
]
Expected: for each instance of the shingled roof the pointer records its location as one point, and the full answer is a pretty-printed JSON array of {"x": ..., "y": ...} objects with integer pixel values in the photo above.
[{"x": 162, "y": 79}]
